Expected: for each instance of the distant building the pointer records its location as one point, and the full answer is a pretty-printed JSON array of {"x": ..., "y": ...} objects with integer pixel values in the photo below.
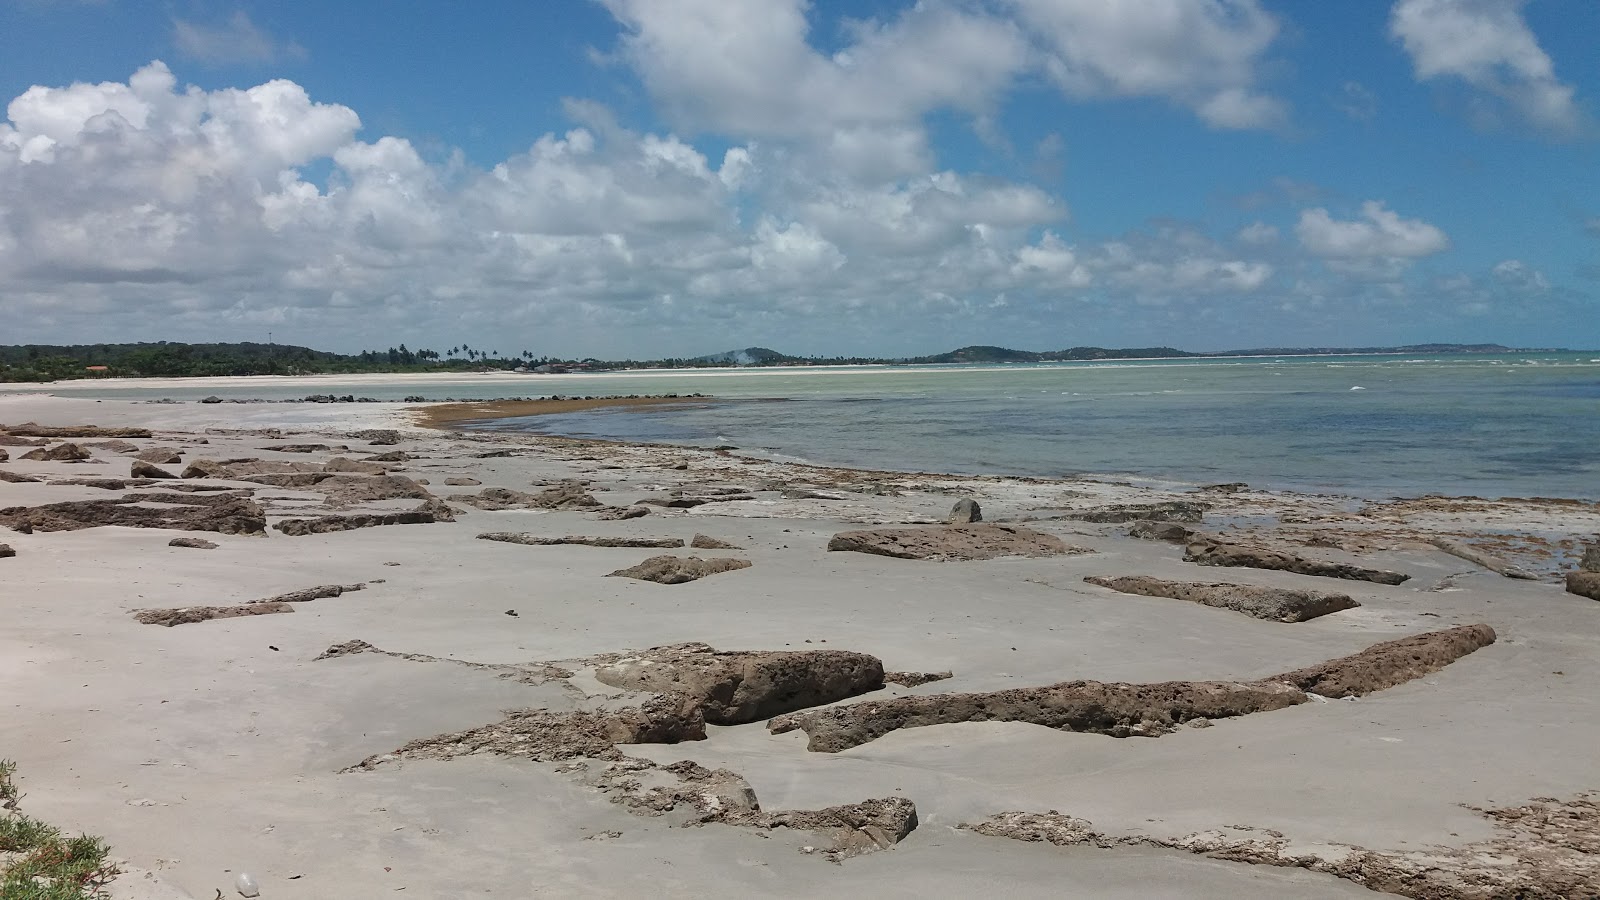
[{"x": 98, "y": 370}]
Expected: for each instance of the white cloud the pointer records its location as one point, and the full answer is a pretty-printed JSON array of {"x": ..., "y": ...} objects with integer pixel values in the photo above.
[
  {"x": 1200, "y": 54},
  {"x": 1356, "y": 101},
  {"x": 1518, "y": 275},
  {"x": 239, "y": 40},
  {"x": 1258, "y": 234},
  {"x": 1487, "y": 45},
  {"x": 1379, "y": 234}
]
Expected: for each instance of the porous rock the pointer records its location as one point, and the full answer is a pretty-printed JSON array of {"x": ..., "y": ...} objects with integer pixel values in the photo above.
[
  {"x": 616, "y": 513},
  {"x": 679, "y": 569},
  {"x": 705, "y": 542},
  {"x": 745, "y": 686},
  {"x": 142, "y": 469},
  {"x": 1584, "y": 584},
  {"x": 355, "y": 467},
  {"x": 588, "y": 541},
  {"x": 192, "y": 614},
  {"x": 1208, "y": 550},
  {"x": 6, "y": 551},
  {"x": 164, "y": 456},
  {"x": 1171, "y": 532},
  {"x": 17, "y": 477},
  {"x": 4, "y": 455},
  {"x": 193, "y": 543},
  {"x": 67, "y": 452},
  {"x": 1275, "y": 604},
  {"x": 379, "y": 436},
  {"x": 460, "y": 481},
  {"x": 31, "y": 429},
  {"x": 222, "y": 513},
  {"x": 569, "y": 495},
  {"x": 1590, "y": 562},
  {"x": 327, "y": 524},
  {"x": 1169, "y": 511},
  {"x": 956, "y": 542}
]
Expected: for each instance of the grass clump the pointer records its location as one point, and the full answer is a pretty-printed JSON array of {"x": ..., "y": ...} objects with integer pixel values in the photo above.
[{"x": 39, "y": 862}]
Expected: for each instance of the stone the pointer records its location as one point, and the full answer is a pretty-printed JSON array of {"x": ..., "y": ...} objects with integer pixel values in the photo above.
[
  {"x": 222, "y": 513},
  {"x": 536, "y": 541},
  {"x": 1171, "y": 532},
  {"x": 569, "y": 495},
  {"x": 239, "y": 469},
  {"x": 965, "y": 512},
  {"x": 192, "y": 614},
  {"x": 956, "y": 542},
  {"x": 459, "y": 481},
  {"x": 1590, "y": 562},
  {"x": 1207, "y": 550},
  {"x": 678, "y": 569},
  {"x": 115, "y": 446},
  {"x": 17, "y": 477},
  {"x": 704, "y": 542},
  {"x": 341, "y": 464},
  {"x": 31, "y": 429},
  {"x": 162, "y": 456},
  {"x": 193, "y": 543},
  {"x": 4, "y": 455},
  {"x": 1170, "y": 511},
  {"x": 367, "y": 488},
  {"x": 11, "y": 440},
  {"x": 379, "y": 436},
  {"x": 738, "y": 687},
  {"x": 59, "y": 453},
  {"x": 392, "y": 456},
  {"x": 301, "y": 448},
  {"x": 327, "y": 524},
  {"x": 1584, "y": 584},
  {"x": 142, "y": 469},
  {"x": 916, "y": 679},
  {"x": 1389, "y": 663},
  {"x": 6, "y": 552},
  {"x": 616, "y": 513},
  {"x": 1274, "y": 604}
]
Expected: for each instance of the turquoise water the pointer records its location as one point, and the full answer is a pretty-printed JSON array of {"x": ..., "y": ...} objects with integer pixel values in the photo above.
[{"x": 1508, "y": 425}]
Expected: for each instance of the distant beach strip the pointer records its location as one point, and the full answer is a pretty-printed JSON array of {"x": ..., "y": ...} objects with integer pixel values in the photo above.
[{"x": 458, "y": 415}]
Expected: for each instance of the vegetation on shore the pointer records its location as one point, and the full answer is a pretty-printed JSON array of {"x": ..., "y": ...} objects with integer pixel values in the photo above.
[
  {"x": 39, "y": 862},
  {"x": 46, "y": 362}
]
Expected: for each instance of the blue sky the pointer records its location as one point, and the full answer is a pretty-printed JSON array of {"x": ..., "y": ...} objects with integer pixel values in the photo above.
[{"x": 675, "y": 177}]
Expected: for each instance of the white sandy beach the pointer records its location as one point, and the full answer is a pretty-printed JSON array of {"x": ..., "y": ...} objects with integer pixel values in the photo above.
[{"x": 206, "y": 749}]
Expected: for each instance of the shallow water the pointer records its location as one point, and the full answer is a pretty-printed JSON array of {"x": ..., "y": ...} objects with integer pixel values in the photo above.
[{"x": 1500, "y": 425}]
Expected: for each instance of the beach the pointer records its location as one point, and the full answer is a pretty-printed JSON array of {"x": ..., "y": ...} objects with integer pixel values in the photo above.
[{"x": 498, "y": 717}]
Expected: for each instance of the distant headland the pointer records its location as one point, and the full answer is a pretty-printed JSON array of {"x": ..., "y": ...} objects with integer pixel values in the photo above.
[{"x": 51, "y": 362}]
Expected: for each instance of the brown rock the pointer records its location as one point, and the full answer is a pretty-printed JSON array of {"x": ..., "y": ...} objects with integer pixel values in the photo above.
[
  {"x": 745, "y": 686},
  {"x": 678, "y": 570},
  {"x": 965, "y": 512},
  {"x": 11, "y": 440},
  {"x": 301, "y": 448},
  {"x": 246, "y": 468},
  {"x": 379, "y": 436},
  {"x": 1591, "y": 559},
  {"x": 1171, "y": 532},
  {"x": 192, "y": 614},
  {"x": 1275, "y": 604},
  {"x": 306, "y": 595},
  {"x": 73, "y": 431},
  {"x": 615, "y": 513},
  {"x": 222, "y": 513},
  {"x": 954, "y": 542},
  {"x": 6, "y": 552},
  {"x": 1388, "y": 664},
  {"x": 326, "y": 524},
  {"x": 58, "y": 453},
  {"x": 4, "y": 455},
  {"x": 703, "y": 542},
  {"x": 392, "y": 456},
  {"x": 852, "y": 830},
  {"x": 115, "y": 446},
  {"x": 17, "y": 477},
  {"x": 536, "y": 541},
  {"x": 1584, "y": 584},
  {"x": 565, "y": 496},
  {"x": 367, "y": 488},
  {"x": 1171, "y": 511},
  {"x": 142, "y": 469},
  {"x": 458, "y": 481},
  {"x": 1206, "y": 550},
  {"x": 916, "y": 679},
  {"x": 162, "y": 456},
  {"x": 193, "y": 543}
]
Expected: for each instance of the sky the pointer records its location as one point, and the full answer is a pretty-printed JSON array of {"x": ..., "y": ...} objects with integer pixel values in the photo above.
[{"x": 659, "y": 178}]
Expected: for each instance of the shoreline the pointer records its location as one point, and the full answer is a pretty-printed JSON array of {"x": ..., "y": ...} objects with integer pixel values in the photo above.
[
  {"x": 449, "y": 415},
  {"x": 273, "y": 744}
]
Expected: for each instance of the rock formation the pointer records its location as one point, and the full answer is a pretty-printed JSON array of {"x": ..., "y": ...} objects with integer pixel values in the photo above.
[
  {"x": 954, "y": 542},
  {"x": 734, "y": 688},
  {"x": 1276, "y": 604},
  {"x": 679, "y": 569},
  {"x": 1207, "y": 550}
]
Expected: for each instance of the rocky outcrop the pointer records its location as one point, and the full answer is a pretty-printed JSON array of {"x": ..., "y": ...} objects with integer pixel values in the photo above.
[
  {"x": 965, "y": 512},
  {"x": 306, "y": 595},
  {"x": 163, "y": 456},
  {"x": 1488, "y": 561},
  {"x": 1138, "y": 710},
  {"x": 116, "y": 445},
  {"x": 142, "y": 469},
  {"x": 341, "y": 489},
  {"x": 1171, "y": 532},
  {"x": 1590, "y": 561},
  {"x": 379, "y": 436},
  {"x": 1207, "y": 550},
  {"x": 1274, "y": 604},
  {"x": 564, "y": 496},
  {"x": 31, "y": 429},
  {"x": 6, "y": 552},
  {"x": 192, "y": 543},
  {"x": 191, "y": 614},
  {"x": 59, "y": 453},
  {"x": 458, "y": 481},
  {"x": 916, "y": 679},
  {"x": 616, "y": 513},
  {"x": 4, "y": 456},
  {"x": 354, "y": 467},
  {"x": 679, "y": 569},
  {"x": 238, "y": 469},
  {"x": 222, "y": 513},
  {"x": 302, "y": 448},
  {"x": 1584, "y": 584},
  {"x": 393, "y": 456},
  {"x": 956, "y": 542},
  {"x": 328, "y": 524},
  {"x": 1388, "y": 664},
  {"x": 11, "y": 440},
  {"x": 1170, "y": 511},
  {"x": 738, "y": 687},
  {"x": 536, "y": 541},
  {"x": 17, "y": 477},
  {"x": 704, "y": 542}
]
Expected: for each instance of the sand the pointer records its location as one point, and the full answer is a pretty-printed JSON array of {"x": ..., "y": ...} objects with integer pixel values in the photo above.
[{"x": 210, "y": 748}]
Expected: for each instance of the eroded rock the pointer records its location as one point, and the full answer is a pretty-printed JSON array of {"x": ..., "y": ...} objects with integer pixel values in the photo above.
[
  {"x": 163, "y": 456},
  {"x": 31, "y": 429},
  {"x": 354, "y": 467},
  {"x": 965, "y": 512},
  {"x": 563, "y": 496},
  {"x": 6, "y": 552},
  {"x": 306, "y": 595},
  {"x": 1275, "y": 604},
  {"x": 328, "y": 524},
  {"x": 956, "y": 542},
  {"x": 191, "y": 614},
  {"x": 1169, "y": 511},
  {"x": 915, "y": 679},
  {"x": 1584, "y": 584},
  {"x": 142, "y": 469},
  {"x": 745, "y": 686},
  {"x": 222, "y": 513},
  {"x": 1171, "y": 532},
  {"x": 1207, "y": 550},
  {"x": 679, "y": 569},
  {"x": 193, "y": 543},
  {"x": 705, "y": 542},
  {"x": 536, "y": 541},
  {"x": 616, "y": 513},
  {"x": 68, "y": 452}
]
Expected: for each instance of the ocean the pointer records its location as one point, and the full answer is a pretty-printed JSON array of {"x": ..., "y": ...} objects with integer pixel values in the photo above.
[{"x": 1525, "y": 424}]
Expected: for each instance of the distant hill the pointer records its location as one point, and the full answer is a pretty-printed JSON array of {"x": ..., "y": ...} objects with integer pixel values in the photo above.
[
  {"x": 749, "y": 356},
  {"x": 985, "y": 354}
]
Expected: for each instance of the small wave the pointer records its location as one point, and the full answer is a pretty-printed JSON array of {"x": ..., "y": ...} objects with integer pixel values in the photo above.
[{"x": 1358, "y": 388}]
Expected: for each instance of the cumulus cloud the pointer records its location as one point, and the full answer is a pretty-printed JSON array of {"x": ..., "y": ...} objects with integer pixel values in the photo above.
[
  {"x": 1204, "y": 55},
  {"x": 238, "y": 40},
  {"x": 1488, "y": 46},
  {"x": 1379, "y": 234}
]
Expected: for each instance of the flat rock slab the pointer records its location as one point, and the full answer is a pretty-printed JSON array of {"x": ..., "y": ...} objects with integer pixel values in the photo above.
[
  {"x": 192, "y": 543},
  {"x": 164, "y": 456},
  {"x": 705, "y": 542},
  {"x": 1139, "y": 710},
  {"x": 222, "y": 513},
  {"x": 142, "y": 469},
  {"x": 1171, "y": 532},
  {"x": 1584, "y": 584},
  {"x": 583, "y": 540},
  {"x": 1171, "y": 511},
  {"x": 567, "y": 496},
  {"x": 1273, "y": 604},
  {"x": 68, "y": 452},
  {"x": 189, "y": 615},
  {"x": 746, "y": 686},
  {"x": 6, "y": 551},
  {"x": 1210, "y": 551},
  {"x": 679, "y": 569},
  {"x": 954, "y": 542},
  {"x": 31, "y": 429},
  {"x": 327, "y": 524}
]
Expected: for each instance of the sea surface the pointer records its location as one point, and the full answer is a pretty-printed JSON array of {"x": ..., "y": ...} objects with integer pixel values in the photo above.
[{"x": 1371, "y": 426}]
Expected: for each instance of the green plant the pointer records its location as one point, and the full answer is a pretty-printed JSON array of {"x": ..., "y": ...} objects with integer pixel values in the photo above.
[{"x": 38, "y": 862}]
